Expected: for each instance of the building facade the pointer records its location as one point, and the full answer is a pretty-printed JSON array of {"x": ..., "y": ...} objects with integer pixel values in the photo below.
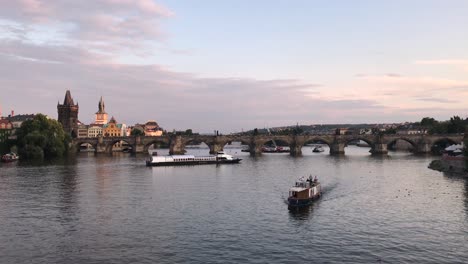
[
  {"x": 152, "y": 128},
  {"x": 82, "y": 130},
  {"x": 6, "y": 129},
  {"x": 95, "y": 130},
  {"x": 68, "y": 115},
  {"x": 112, "y": 129}
]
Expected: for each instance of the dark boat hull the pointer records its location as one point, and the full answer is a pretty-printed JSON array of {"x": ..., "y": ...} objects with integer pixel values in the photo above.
[
  {"x": 179, "y": 163},
  {"x": 296, "y": 203}
]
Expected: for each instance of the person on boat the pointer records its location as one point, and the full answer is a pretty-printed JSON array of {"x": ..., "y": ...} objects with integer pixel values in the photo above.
[{"x": 315, "y": 179}]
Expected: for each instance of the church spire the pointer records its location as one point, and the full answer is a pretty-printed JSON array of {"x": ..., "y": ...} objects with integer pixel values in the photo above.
[
  {"x": 68, "y": 99},
  {"x": 101, "y": 107}
]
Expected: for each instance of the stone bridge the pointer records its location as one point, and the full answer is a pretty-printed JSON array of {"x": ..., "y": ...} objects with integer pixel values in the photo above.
[{"x": 337, "y": 143}]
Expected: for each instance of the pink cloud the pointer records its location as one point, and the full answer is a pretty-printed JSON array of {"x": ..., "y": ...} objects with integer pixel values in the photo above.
[{"x": 106, "y": 26}]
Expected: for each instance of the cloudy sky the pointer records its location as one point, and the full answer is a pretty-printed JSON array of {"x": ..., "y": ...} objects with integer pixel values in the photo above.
[{"x": 233, "y": 65}]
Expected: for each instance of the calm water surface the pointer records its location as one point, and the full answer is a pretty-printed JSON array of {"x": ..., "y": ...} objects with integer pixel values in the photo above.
[{"x": 113, "y": 209}]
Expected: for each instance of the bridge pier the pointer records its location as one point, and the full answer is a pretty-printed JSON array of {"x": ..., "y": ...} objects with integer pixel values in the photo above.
[
  {"x": 215, "y": 148},
  {"x": 295, "y": 150},
  {"x": 379, "y": 149},
  {"x": 255, "y": 150},
  {"x": 423, "y": 148},
  {"x": 138, "y": 147},
  {"x": 176, "y": 146},
  {"x": 100, "y": 146},
  {"x": 337, "y": 149}
]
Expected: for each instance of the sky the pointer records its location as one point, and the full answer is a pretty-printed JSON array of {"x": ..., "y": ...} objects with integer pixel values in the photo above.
[{"x": 236, "y": 65}]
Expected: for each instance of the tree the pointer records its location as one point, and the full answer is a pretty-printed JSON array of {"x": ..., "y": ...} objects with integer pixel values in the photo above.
[
  {"x": 41, "y": 137},
  {"x": 428, "y": 122},
  {"x": 137, "y": 132},
  {"x": 456, "y": 125},
  {"x": 188, "y": 132}
]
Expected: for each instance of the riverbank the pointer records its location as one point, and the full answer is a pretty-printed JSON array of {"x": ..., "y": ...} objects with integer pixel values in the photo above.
[{"x": 454, "y": 165}]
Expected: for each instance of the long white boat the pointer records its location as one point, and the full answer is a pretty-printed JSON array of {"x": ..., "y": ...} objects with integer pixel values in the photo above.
[{"x": 219, "y": 158}]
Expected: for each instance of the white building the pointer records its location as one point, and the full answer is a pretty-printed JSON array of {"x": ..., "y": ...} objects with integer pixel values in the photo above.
[{"x": 95, "y": 130}]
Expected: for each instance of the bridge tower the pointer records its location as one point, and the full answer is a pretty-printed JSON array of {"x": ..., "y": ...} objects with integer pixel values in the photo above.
[{"x": 68, "y": 115}]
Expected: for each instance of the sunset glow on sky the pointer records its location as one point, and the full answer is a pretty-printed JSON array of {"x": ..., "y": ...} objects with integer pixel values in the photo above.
[{"x": 232, "y": 65}]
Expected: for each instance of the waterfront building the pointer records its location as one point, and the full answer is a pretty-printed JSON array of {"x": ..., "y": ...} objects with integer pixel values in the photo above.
[
  {"x": 412, "y": 131},
  {"x": 6, "y": 129},
  {"x": 82, "y": 130},
  {"x": 342, "y": 131},
  {"x": 68, "y": 115},
  {"x": 152, "y": 128},
  {"x": 112, "y": 129},
  {"x": 101, "y": 115},
  {"x": 123, "y": 130},
  {"x": 17, "y": 120},
  {"x": 95, "y": 130},
  {"x": 5, "y": 124}
]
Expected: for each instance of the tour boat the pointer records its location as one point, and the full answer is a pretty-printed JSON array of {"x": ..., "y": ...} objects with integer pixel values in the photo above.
[
  {"x": 318, "y": 149},
  {"x": 219, "y": 158},
  {"x": 10, "y": 157},
  {"x": 304, "y": 192}
]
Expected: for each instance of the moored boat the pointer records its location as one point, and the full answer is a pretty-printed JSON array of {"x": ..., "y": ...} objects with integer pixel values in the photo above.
[
  {"x": 318, "y": 149},
  {"x": 219, "y": 158},
  {"x": 10, "y": 157},
  {"x": 276, "y": 149},
  {"x": 304, "y": 192}
]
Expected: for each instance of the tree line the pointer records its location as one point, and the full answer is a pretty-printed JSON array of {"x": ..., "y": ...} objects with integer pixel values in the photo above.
[{"x": 455, "y": 125}]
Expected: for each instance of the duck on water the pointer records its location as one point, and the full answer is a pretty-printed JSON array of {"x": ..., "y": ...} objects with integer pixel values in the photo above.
[
  {"x": 304, "y": 192},
  {"x": 219, "y": 158}
]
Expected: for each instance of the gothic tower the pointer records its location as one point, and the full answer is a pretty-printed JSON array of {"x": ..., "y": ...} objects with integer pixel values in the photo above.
[
  {"x": 101, "y": 115},
  {"x": 68, "y": 115}
]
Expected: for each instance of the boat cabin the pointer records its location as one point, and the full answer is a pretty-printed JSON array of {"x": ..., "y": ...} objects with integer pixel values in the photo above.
[{"x": 304, "y": 189}]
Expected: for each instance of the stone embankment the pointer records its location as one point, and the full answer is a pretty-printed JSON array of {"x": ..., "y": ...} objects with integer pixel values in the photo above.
[{"x": 450, "y": 164}]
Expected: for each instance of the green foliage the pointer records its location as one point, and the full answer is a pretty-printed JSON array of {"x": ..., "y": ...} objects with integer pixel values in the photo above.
[
  {"x": 428, "y": 122},
  {"x": 41, "y": 138},
  {"x": 188, "y": 132},
  {"x": 455, "y": 125},
  {"x": 137, "y": 132},
  {"x": 391, "y": 131}
]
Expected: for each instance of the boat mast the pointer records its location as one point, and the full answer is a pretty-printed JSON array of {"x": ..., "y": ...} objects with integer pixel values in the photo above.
[{"x": 269, "y": 133}]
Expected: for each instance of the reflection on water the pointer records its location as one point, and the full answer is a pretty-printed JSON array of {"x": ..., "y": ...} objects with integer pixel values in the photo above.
[{"x": 114, "y": 209}]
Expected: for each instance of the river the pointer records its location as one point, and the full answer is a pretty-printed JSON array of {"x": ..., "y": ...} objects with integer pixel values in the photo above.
[{"x": 114, "y": 209}]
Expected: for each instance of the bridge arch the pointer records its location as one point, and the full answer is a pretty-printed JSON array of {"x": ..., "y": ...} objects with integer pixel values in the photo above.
[
  {"x": 110, "y": 144},
  {"x": 263, "y": 140},
  {"x": 196, "y": 141},
  {"x": 368, "y": 141},
  {"x": 392, "y": 141},
  {"x": 439, "y": 144},
  {"x": 316, "y": 140},
  {"x": 90, "y": 141},
  {"x": 152, "y": 142}
]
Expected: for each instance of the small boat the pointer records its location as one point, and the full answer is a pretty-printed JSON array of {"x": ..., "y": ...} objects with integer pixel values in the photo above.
[
  {"x": 10, "y": 157},
  {"x": 275, "y": 149},
  {"x": 304, "y": 192},
  {"x": 219, "y": 158},
  {"x": 318, "y": 149}
]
